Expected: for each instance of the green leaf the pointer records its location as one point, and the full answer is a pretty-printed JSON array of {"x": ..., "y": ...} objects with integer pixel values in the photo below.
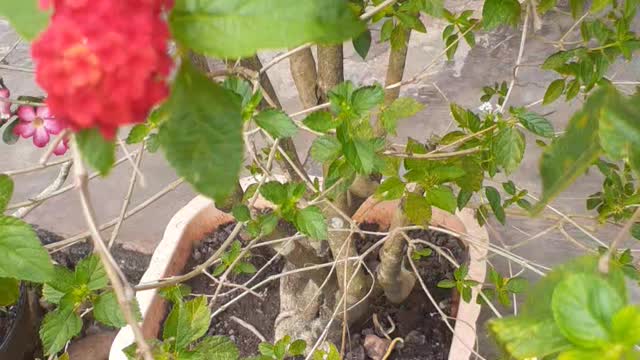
[
  {"x": 533, "y": 122},
  {"x": 625, "y": 325},
  {"x": 245, "y": 268},
  {"x": 9, "y": 291},
  {"x": 153, "y": 143},
  {"x": 320, "y": 121},
  {"x": 274, "y": 192},
  {"x": 98, "y": 152},
  {"x": 546, "y": 5},
  {"x": 442, "y": 197},
  {"x": 63, "y": 281},
  {"x": 573, "y": 89},
  {"x": 465, "y": 118},
  {"x": 8, "y": 136},
  {"x": 266, "y": 349},
  {"x": 241, "y": 212},
  {"x": 635, "y": 231},
  {"x": 90, "y": 272},
  {"x": 297, "y": 348},
  {"x": 517, "y": 285},
  {"x": 391, "y": 188},
  {"x": 411, "y": 21},
  {"x": 362, "y": 43},
  {"x": 312, "y": 223},
  {"x": 434, "y": 8},
  {"x": 463, "y": 198},
  {"x": 25, "y": 17},
  {"x": 202, "y": 139},
  {"x": 386, "y": 30},
  {"x": 187, "y": 322},
  {"x": 509, "y": 187},
  {"x": 361, "y": 154},
  {"x": 240, "y": 87},
  {"x": 508, "y": 148},
  {"x": 243, "y": 28},
  {"x": 214, "y": 348},
  {"x": 417, "y": 209},
  {"x": 619, "y": 131},
  {"x": 447, "y": 284},
  {"x": 276, "y": 123},
  {"x": 23, "y": 256},
  {"x": 175, "y": 293},
  {"x": 366, "y": 98},
  {"x": 401, "y": 108},
  {"x": 419, "y": 254},
  {"x": 326, "y": 148},
  {"x": 451, "y": 44},
  {"x": 107, "y": 311},
  {"x": 526, "y": 337},
  {"x": 58, "y": 327},
  {"x": 571, "y": 154},
  {"x": 398, "y": 38},
  {"x": 583, "y": 307},
  {"x": 6, "y": 191},
  {"x": 138, "y": 133},
  {"x": 500, "y": 12},
  {"x": 495, "y": 202},
  {"x": 553, "y": 92}
]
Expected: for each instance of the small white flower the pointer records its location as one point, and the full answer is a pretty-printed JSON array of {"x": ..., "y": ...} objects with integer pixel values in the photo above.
[{"x": 485, "y": 107}]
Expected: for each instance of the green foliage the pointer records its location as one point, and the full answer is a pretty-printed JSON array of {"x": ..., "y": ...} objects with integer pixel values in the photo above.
[
  {"x": 202, "y": 137},
  {"x": 320, "y": 121},
  {"x": 58, "y": 327},
  {"x": 332, "y": 354},
  {"x": 107, "y": 311},
  {"x": 9, "y": 291},
  {"x": 281, "y": 349},
  {"x": 23, "y": 256},
  {"x": 98, "y": 152},
  {"x": 362, "y": 43},
  {"x": 400, "y": 108},
  {"x": 312, "y": 223},
  {"x": 417, "y": 209},
  {"x": 276, "y": 123},
  {"x": 460, "y": 282},
  {"x": 508, "y": 148},
  {"x": 235, "y": 25},
  {"x": 6, "y": 191},
  {"x": 576, "y": 311},
  {"x": 533, "y": 122},
  {"x": 495, "y": 202},
  {"x": 503, "y": 288},
  {"x": 500, "y": 12},
  {"x": 229, "y": 257},
  {"x": 498, "y": 89},
  {"x": 187, "y": 322},
  {"x": 8, "y": 136},
  {"x": 137, "y": 134},
  {"x": 418, "y": 254},
  {"x": 555, "y": 89},
  {"x": 25, "y": 17}
]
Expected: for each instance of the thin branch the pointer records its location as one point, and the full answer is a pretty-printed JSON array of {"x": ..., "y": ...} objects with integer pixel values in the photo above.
[
  {"x": 523, "y": 40},
  {"x": 52, "y": 146},
  {"x": 55, "y": 185},
  {"x": 249, "y": 327},
  {"x": 33, "y": 168},
  {"x": 121, "y": 288},
  {"x": 17, "y": 68},
  {"x": 127, "y": 197},
  {"x": 435, "y": 156},
  {"x": 620, "y": 237},
  {"x": 60, "y": 191},
  {"x": 13, "y": 47},
  {"x": 83, "y": 235}
]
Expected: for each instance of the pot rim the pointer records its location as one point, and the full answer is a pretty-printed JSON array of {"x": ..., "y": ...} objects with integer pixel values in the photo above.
[{"x": 180, "y": 231}]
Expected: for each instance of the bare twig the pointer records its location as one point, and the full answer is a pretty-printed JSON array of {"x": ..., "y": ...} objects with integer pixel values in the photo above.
[
  {"x": 523, "y": 40},
  {"x": 121, "y": 288},
  {"x": 52, "y": 146},
  {"x": 127, "y": 197},
  {"x": 603, "y": 265},
  {"x": 249, "y": 327},
  {"x": 55, "y": 185},
  {"x": 33, "y": 168}
]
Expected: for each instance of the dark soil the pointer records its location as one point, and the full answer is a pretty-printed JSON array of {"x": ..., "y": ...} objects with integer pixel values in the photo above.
[
  {"x": 7, "y": 318},
  {"x": 260, "y": 313},
  {"x": 132, "y": 263},
  {"x": 426, "y": 336}
]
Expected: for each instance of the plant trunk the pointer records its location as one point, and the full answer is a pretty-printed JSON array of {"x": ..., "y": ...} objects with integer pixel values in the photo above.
[
  {"x": 342, "y": 245},
  {"x": 395, "y": 70},
  {"x": 287, "y": 144},
  {"x": 395, "y": 280},
  {"x": 303, "y": 71},
  {"x": 330, "y": 69}
]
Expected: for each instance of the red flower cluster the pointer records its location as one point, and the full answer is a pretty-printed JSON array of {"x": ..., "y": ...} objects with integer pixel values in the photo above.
[{"x": 103, "y": 63}]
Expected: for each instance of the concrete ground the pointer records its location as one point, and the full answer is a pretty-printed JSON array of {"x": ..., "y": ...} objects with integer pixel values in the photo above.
[{"x": 460, "y": 81}]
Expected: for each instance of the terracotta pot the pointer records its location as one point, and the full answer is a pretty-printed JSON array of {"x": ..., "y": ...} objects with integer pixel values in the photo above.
[{"x": 199, "y": 217}]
